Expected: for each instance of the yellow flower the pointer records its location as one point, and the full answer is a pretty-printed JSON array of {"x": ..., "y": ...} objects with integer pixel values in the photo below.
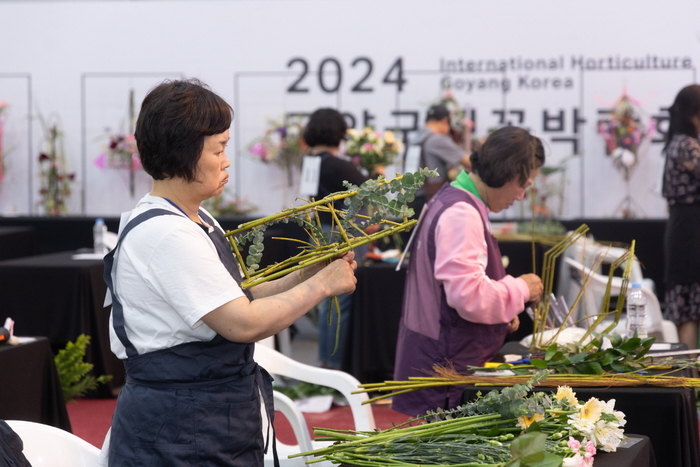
[
  {"x": 525, "y": 421},
  {"x": 592, "y": 410},
  {"x": 352, "y": 132},
  {"x": 565, "y": 393},
  {"x": 389, "y": 137}
]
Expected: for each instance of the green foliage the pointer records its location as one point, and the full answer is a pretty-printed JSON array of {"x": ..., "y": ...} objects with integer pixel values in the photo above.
[
  {"x": 384, "y": 199},
  {"x": 623, "y": 356},
  {"x": 509, "y": 402},
  {"x": 73, "y": 371}
]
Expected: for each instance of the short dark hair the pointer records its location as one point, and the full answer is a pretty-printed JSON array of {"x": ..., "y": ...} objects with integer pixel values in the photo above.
[
  {"x": 508, "y": 153},
  {"x": 437, "y": 112},
  {"x": 175, "y": 117},
  {"x": 685, "y": 106},
  {"x": 326, "y": 127}
]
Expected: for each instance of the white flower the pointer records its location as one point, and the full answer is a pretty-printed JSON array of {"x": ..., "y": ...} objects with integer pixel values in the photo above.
[
  {"x": 607, "y": 436},
  {"x": 610, "y": 409}
]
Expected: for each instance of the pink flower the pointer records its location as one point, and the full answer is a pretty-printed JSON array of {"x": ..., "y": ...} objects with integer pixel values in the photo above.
[
  {"x": 573, "y": 443},
  {"x": 590, "y": 449}
]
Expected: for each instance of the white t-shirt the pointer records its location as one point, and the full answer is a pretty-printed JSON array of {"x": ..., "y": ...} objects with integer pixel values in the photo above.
[{"x": 167, "y": 276}]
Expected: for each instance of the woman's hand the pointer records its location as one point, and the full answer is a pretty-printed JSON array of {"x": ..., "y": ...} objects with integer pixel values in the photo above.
[
  {"x": 514, "y": 324},
  {"x": 339, "y": 275},
  {"x": 534, "y": 285}
]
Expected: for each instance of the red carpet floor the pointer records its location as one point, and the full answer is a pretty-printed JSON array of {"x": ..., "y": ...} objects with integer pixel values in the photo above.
[{"x": 91, "y": 418}]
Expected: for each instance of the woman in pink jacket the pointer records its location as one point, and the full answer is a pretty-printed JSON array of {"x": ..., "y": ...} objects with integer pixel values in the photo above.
[{"x": 459, "y": 305}]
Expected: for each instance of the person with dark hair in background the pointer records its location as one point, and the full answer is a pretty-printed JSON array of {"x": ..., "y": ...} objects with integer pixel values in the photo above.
[
  {"x": 180, "y": 320},
  {"x": 324, "y": 133},
  {"x": 438, "y": 151},
  {"x": 681, "y": 188},
  {"x": 459, "y": 305}
]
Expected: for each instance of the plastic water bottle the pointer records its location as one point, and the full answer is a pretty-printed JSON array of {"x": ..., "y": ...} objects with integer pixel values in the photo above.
[
  {"x": 636, "y": 312},
  {"x": 98, "y": 236}
]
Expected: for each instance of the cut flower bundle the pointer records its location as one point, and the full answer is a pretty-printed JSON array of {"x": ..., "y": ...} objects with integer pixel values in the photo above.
[{"x": 510, "y": 427}]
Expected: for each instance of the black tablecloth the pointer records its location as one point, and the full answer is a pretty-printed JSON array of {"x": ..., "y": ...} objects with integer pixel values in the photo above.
[
  {"x": 374, "y": 323},
  {"x": 60, "y": 298},
  {"x": 667, "y": 416},
  {"x": 16, "y": 242},
  {"x": 30, "y": 389}
]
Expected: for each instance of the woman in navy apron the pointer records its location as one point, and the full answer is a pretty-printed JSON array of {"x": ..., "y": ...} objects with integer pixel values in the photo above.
[
  {"x": 459, "y": 304},
  {"x": 180, "y": 321}
]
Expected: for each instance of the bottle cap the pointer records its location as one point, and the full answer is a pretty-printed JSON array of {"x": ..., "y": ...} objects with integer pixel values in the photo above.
[
  {"x": 99, "y": 220},
  {"x": 636, "y": 285}
]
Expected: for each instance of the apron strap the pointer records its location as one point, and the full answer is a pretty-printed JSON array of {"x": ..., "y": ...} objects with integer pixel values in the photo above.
[
  {"x": 264, "y": 380},
  {"x": 223, "y": 248},
  {"x": 117, "y": 309}
]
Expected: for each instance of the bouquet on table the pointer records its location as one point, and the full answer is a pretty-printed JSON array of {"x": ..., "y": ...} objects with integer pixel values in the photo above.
[
  {"x": 503, "y": 428},
  {"x": 369, "y": 148}
]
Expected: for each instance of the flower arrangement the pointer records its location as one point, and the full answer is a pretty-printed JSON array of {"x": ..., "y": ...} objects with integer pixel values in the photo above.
[
  {"x": 369, "y": 148},
  {"x": 281, "y": 144},
  {"x": 623, "y": 132},
  {"x": 3, "y": 110},
  {"x": 56, "y": 181},
  {"x": 499, "y": 429},
  {"x": 121, "y": 151}
]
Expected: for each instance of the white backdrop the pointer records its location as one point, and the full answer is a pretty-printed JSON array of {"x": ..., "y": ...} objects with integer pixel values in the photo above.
[{"x": 551, "y": 66}]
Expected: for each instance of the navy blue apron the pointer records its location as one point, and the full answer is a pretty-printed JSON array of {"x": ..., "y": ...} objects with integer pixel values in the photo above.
[{"x": 193, "y": 404}]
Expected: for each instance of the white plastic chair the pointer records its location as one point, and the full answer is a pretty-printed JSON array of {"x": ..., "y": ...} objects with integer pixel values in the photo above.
[
  {"x": 593, "y": 297},
  {"x": 48, "y": 446},
  {"x": 278, "y": 364},
  {"x": 587, "y": 252}
]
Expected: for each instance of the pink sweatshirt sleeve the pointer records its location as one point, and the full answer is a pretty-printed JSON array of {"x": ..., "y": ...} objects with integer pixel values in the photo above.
[{"x": 460, "y": 265}]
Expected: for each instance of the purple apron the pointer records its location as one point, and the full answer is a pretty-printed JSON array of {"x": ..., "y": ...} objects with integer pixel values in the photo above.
[{"x": 431, "y": 332}]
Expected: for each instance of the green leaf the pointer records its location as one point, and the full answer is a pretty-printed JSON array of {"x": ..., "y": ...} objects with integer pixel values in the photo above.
[
  {"x": 527, "y": 445},
  {"x": 551, "y": 351},
  {"x": 631, "y": 344},
  {"x": 408, "y": 179},
  {"x": 607, "y": 359},
  {"x": 538, "y": 363},
  {"x": 577, "y": 358},
  {"x": 620, "y": 366},
  {"x": 550, "y": 460},
  {"x": 594, "y": 368}
]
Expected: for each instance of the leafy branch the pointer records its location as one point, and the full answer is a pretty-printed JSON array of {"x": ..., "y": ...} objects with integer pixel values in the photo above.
[{"x": 386, "y": 199}]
